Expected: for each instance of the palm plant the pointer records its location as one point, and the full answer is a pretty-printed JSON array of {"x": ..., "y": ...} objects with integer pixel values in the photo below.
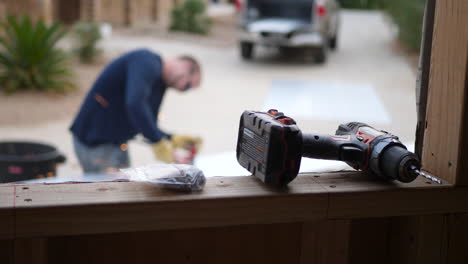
[{"x": 30, "y": 58}]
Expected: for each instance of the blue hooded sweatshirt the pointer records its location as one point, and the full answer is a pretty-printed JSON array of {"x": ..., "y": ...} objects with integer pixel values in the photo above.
[{"x": 123, "y": 102}]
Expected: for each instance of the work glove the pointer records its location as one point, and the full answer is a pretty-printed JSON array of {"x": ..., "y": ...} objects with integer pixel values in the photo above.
[
  {"x": 164, "y": 150},
  {"x": 181, "y": 141}
]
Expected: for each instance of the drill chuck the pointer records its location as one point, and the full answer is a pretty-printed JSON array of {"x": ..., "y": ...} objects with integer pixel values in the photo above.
[{"x": 397, "y": 163}]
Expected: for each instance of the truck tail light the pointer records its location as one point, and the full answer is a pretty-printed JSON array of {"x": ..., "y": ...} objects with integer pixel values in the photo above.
[
  {"x": 321, "y": 10},
  {"x": 239, "y": 4}
]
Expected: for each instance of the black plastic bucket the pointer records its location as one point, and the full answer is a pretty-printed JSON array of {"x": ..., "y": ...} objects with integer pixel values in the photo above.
[{"x": 21, "y": 161}]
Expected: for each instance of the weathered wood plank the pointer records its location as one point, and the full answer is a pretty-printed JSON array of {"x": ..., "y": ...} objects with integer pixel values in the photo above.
[
  {"x": 7, "y": 199},
  {"x": 462, "y": 172},
  {"x": 104, "y": 193},
  {"x": 418, "y": 239},
  {"x": 443, "y": 154},
  {"x": 269, "y": 244},
  {"x": 424, "y": 69},
  {"x": 359, "y": 196},
  {"x": 325, "y": 242},
  {"x": 399, "y": 240},
  {"x": 6, "y": 251},
  {"x": 457, "y": 251},
  {"x": 31, "y": 251},
  {"x": 369, "y": 241},
  {"x": 397, "y": 203},
  {"x": 65, "y": 209}
]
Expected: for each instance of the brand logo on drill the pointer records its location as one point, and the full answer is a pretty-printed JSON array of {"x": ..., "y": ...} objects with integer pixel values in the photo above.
[
  {"x": 248, "y": 133},
  {"x": 15, "y": 170}
]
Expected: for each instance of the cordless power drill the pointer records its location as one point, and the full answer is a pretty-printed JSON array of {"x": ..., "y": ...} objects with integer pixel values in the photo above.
[{"x": 270, "y": 145}]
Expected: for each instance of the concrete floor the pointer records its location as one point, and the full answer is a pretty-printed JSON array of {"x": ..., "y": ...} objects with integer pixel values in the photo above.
[{"x": 230, "y": 86}]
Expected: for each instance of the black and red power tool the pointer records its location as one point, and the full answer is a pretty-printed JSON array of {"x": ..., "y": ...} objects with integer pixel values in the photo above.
[{"x": 270, "y": 145}]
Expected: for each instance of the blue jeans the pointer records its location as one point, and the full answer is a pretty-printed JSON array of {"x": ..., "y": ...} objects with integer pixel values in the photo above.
[{"x": 102, "y": 158}]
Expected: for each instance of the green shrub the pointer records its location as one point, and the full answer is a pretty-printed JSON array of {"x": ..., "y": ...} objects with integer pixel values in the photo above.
[
  {"x": 408, "y": 16},
  {"x": 87, "y": 35},
  {"x": 29, "y": 57},
  {"x": 361, "y": 4},
  {"x": 190, "y": 17}
]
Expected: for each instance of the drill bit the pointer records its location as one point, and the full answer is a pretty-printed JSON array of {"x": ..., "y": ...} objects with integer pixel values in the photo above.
[{"x": 425, "y": 175}]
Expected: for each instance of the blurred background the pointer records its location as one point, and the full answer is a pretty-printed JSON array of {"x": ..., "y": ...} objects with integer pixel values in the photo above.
[{"x": 322, "y": 62}]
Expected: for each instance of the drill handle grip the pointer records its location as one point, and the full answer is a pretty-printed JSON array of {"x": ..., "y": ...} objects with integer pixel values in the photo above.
[{"x": 317, "y": 146}]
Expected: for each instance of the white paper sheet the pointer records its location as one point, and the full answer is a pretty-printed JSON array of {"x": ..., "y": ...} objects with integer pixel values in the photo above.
[{"x": 327, "y": 100}]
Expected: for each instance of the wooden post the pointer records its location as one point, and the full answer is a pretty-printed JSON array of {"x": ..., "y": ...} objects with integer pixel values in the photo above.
[
  {"x": 445, "y": 151},
  {"x": 7, "y": 223},
  {"x": 399, "y": 240},
  {"x": 154, "y": 11},
  {"x": 424, "y": 70},
  {"x": 97, "y": 10},
  {"x": 325, "y": 242},
  {"x": 89, "y": 10},
  {"x": 6, "y": 251},
  {"x": 3, "y": 9},
  {"x": 46, "y": 8},
  {"x": 128, "y": 12},
  {"x": 418, "y": 239},
  {"x": 457, "y": 252},
  {"x": 30, "y": 251},
  {"x": 7, "y": 217},
  {"x": 164, "y": 10},
  {"x": 462, "y": 173},
  {"x": 140, "y": 12},
  {"x": 369, "y": 241}
]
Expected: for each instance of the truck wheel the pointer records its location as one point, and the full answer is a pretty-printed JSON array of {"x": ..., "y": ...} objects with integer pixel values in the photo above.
[
  {"x": 321, "y": 55},
  {"x": 334, "y": 42},
  {"x": 246, "y": 50}
]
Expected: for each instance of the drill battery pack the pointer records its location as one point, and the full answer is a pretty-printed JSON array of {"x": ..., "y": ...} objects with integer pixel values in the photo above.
[{"x": 269, "y": 145}]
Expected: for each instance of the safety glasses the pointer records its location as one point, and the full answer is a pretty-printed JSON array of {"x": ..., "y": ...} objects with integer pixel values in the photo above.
[{"x": 189, "y": 83}]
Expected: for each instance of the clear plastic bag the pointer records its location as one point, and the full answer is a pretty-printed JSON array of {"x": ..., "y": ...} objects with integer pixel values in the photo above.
[{"x": 178, "y": 177}]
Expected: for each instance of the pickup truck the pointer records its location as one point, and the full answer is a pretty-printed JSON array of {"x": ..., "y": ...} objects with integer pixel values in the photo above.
[{"x": 310, "y": 24}]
